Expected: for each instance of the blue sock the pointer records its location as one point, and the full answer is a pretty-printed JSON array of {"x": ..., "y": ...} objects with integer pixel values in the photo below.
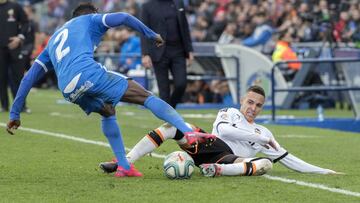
[
  {"x": 112, "y": 132},
  {"x": 165, "y": 112}
]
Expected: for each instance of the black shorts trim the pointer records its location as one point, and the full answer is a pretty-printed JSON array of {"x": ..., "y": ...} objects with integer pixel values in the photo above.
[
  {"x": 227, "y": 159},
  {"x": 214, "y": 153}
]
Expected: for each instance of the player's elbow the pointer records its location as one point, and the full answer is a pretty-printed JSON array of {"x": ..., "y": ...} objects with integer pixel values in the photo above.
[
  {"x": 116, "y": 19},
  {"x": 224, "y": 130}
]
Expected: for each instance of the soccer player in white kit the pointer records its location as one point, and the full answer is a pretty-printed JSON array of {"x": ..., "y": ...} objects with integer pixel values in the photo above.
[{"x": 238, "y": 141}]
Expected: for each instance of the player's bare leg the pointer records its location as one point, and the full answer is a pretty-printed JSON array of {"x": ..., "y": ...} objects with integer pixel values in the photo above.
[{"x": 138, "y": 95}]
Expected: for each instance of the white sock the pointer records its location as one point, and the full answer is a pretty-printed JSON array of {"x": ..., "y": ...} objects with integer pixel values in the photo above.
[
  {"x": 142, "y": 148},
  {"x": 147, "y": 144},
  {"x": 232, "y": 169}
]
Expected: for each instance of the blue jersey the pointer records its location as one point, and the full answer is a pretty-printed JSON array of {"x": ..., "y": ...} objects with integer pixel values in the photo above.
[
  {"x": 70, "y": 50},
  {"x": 70, "y": 53}
]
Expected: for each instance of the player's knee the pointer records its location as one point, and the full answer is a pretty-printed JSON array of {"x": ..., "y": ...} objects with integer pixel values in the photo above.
[
  {"x": 107, "y": 110},
  {"x": 135, "y": 93},
  {"x": 167, "y": 130}
]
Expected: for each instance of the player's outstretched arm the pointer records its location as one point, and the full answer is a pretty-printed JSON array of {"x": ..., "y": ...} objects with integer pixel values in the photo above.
[
  {"x": 32, "y": 76},
  {"x": 230, "y": 132},
  {"x": 296, "y": 164},
  {"x": 121, "y": 18}
]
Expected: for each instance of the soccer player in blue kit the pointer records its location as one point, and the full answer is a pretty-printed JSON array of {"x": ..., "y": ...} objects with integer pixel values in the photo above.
[{"x": 88, "y": 84}]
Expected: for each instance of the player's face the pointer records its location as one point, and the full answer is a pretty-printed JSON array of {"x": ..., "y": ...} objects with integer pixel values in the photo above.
[{"x": 251, "y": 105}]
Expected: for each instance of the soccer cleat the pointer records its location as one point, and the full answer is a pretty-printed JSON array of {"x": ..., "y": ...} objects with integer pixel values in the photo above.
[
  {"x": 198, "y": 137},
  {"x": 258, "y": 166},
  {"x": 108, "y": 167},
  {"x": 210, "y": 170},
  {"x": 132, "y": 172}
]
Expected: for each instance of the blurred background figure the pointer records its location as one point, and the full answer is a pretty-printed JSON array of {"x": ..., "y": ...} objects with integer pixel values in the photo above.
[
  {"x": 29, "y": 42},
  {"x": 284, "y": 52},
  {"x": 130, "y": 50},
  {"x": 167, "y": 17},
  {"x": 14, "y": 29},
  {"x": 262, "y": 33}
]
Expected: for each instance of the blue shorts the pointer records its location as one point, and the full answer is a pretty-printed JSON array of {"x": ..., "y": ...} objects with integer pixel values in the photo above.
[{"x": 92, "y": 89}]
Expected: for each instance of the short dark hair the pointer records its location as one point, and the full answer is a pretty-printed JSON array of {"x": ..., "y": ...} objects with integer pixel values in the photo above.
[
  {"x": 257, "y": 89},
  {"x": 83, "y": 9}
]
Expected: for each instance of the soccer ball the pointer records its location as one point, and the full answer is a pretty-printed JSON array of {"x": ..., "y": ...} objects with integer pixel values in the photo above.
[{"x": 178, "y": 165}]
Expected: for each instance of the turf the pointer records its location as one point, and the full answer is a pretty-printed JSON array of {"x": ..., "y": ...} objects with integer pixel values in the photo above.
[{"x": 38, "y": 168}]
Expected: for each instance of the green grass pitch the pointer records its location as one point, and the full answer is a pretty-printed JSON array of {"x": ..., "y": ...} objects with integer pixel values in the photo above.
[{"x": 36, "y": 167}]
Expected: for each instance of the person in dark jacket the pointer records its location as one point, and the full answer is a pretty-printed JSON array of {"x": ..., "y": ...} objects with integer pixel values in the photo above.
[
  {"x": 14, "y": 27},
  {"x": 167, "y": 17}
]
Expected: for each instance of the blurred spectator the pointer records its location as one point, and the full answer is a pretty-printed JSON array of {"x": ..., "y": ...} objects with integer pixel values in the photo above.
[
  {"x": 261, "y": 34},
  {"x": 132, "y": 7},
  {"x": 307, "y": 31},
  {"x": 353, "y": 27},
  {"x": 198, "y": 91},
  {"x": 14, "y": 28},
  {"x": 284, "y": 52},
  {"x": 340, "y": 27},
  {"x": 29, "y": 42},
  {"x": 221, "y": 92},
  {"x": 217, "y": 26},
  {"x": 228, "y": 36},
  {"x": 130, "y": 51}
]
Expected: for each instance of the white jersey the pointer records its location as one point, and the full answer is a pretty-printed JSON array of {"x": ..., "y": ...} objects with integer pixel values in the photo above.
[{"x": 247, "y": 139}]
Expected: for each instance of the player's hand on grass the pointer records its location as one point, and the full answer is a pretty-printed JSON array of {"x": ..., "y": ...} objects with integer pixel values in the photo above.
[
  {"x": 331, "y": 172},
  {"x": 159, "y": 40},
  {"x": 12, "y": 125}
]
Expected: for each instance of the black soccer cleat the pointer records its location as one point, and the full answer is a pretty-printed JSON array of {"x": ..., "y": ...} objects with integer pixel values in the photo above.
[{"x": 108, "y": 167}]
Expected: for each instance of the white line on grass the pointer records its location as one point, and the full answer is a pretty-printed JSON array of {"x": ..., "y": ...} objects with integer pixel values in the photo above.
[
  {"x": 313, "y": 185},
  {"x": 100, "y": 143}
]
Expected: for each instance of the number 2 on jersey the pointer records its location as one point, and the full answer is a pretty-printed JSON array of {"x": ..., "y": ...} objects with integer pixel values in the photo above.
[{"x": 60, "y": 52}]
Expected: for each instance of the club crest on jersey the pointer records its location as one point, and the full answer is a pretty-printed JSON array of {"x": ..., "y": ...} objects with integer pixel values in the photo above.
[
  {"x": 11, "y": 17},
  {"x": 224, "y": 116},
  {"x": 257, "y": 131}
]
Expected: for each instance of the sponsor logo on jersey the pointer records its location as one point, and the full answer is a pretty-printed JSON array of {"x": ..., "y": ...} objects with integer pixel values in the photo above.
[
  {"x": 80, "y": 91},
  {"x": 237, "y": 117},
  {"x": 257, "y": 130}
]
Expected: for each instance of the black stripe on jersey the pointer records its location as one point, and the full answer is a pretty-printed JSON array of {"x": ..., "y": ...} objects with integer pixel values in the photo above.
[
  {"x": 157, "y": 139},
  {"x": 258, "y": 158},
  {"x": 178, "y": 135},
  {"x": 222, "y": 122},
  {"x": 223, "y": 110},
  {"x": 281, "y": 157}
]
